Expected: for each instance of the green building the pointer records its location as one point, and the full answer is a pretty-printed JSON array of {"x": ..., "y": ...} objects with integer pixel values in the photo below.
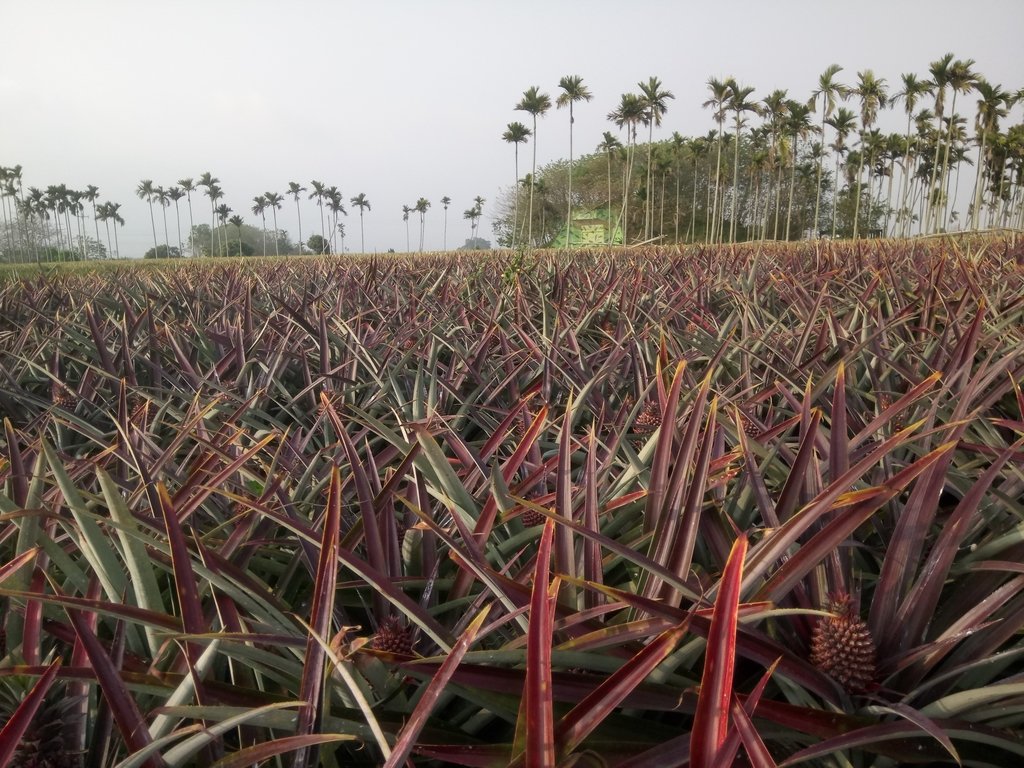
[{"x": 588, "y": 228}]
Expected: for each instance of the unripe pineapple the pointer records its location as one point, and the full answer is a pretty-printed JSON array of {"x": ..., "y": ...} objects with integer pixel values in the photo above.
[
  {"x": 532, "y": 517},
  {"x": 648, "y": 420},
  {"x": 750, "y": 429},
  {"x": 842, "y": 646},
  {"x": 393, "y": 636}
]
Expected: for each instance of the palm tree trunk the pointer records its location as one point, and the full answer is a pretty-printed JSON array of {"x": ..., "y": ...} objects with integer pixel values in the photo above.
[
  {"x": 277, "y": 240},
  {"x": 935, "y": 168},
  {"x": 568, "y": 214},
  {"x": 213, "y": 226},
  {"x": 856, "y": 209},
  {"x": 167, "y": 242},
  {"x": 533, "y": 183},
  {"x": 778, "y": 199},
  {"x": 821, "y": 159},
  {"x": 718, "y": 176},
  {"x": 693, "y": 207},
  {"x": 191, "y": 224},
  {"x": 678, "y": 179},
  {"x": 904, "y": 188},
  {"x": 979, "y": 179},
  {"x": 609, "y": 233},
  {"x": 888, "y": 196},
  {"x": 177, "y": 221},
  {"x": 106, "y": 225},
  {"x": 735, "y": 181},
  {"x": 515, "y": 208},
  {"x": 152, "y": 221},
  {"x": 649, "y": 213},
  {"x": 944, "y": 171}
]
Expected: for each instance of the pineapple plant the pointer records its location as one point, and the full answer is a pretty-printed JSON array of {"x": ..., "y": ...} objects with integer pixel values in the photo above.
[{"x": 43, "y": 744}]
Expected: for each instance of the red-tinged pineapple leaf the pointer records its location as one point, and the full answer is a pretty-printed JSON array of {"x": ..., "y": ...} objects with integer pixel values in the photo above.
[
  {"x": 311, "y": 688},
  {"x": 919, "y": 605},
  {"x": 798, "y": 473},
  {"x": 125, "y": 711},
  {"x": 727, "y": 754},
  {"x": 839, "y": 440},
  {"x": 681, "y": 556},
  {"x": 410, "y": 733},
  {"x": 184, "y": 576},
  {"x": 19, "y": 476},
  {"x": 757, "y": 753},
  {"x": 893, "y": 410},
  {"x": 538, "y": 700},
  {"x": 565, "y": 562},
  {"x": 658, "y": 485},
  {"x": 838, "y": 529},
  {"x": 17, "y": 563},
  {"x": 469, "y": 755},
  {"x": 593, "y": 570},
  {"x": 711, "y": 720},
  {"x": 889, "y": 739},
  {"x": 775, "y": 545},
  {"x": 21, "y": 718},
  {"x": 572, "y": 729},
  {"x": 252, "y": 755},
  {"x": 926, "y": 724}
]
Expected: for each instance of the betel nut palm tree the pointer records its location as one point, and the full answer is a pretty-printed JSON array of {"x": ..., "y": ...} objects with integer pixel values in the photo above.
[
  {"x": 445, "y": 202},
  {"x": 828, "y": 91},
  {"x": 609, "y": 144},
  {"x": 237, "y": 221},
  {"x": 145, "y": 192},
  {"x": 738, "y": 104},
  {"x": 718, "y": 103},
  {"x": 361, "y": 202},
  {"x": 421, "y": 208},
  {"x": 188, "y": 186},
  {"x": 536, "y": 104},
  {"x": 629, "y": 114},
  {"x": 295, "y": 190},
  {"x": 872, "y": 94},
  {"x": 655, "y": 105},
  {"x": 259, "y": 207},
  {"x": 573, "y": 90},
  {"x": 274, "y": 201},
  {"x": 516, "y": 133}
]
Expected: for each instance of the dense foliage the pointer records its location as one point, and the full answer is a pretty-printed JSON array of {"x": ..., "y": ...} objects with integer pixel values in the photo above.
[{"x": 651, "y": 507}]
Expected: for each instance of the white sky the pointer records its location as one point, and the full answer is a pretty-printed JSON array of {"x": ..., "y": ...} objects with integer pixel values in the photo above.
[{"x": 407, "y": 99}]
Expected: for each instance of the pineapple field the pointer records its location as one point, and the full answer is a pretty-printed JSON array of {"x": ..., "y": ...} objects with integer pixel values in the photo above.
[{"x": 752, "y": 505}]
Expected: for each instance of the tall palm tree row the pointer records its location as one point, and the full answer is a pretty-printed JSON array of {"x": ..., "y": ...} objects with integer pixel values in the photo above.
[{"x": 753, "y": 169}]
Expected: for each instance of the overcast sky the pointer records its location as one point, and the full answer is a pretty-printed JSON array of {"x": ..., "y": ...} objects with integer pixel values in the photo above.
[{"x": 409, "y": 98}]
